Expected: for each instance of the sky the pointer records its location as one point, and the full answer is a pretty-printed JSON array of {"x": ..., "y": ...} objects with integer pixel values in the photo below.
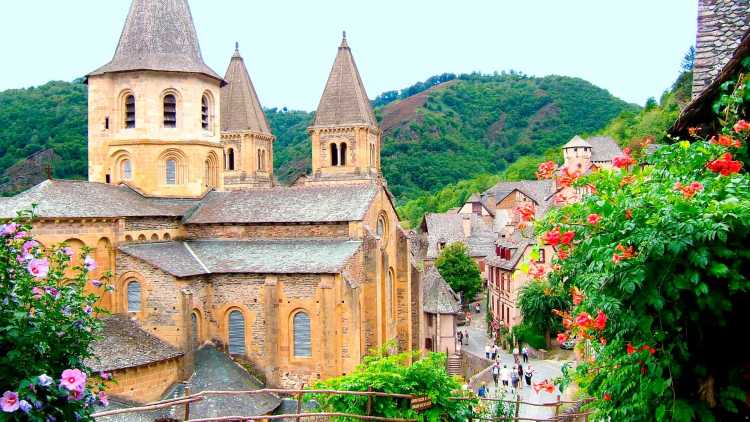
[{"x": 631, "y": 48}]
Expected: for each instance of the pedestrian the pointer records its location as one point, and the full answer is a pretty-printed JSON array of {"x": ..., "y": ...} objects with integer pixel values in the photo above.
[
  {"x": 528, "y": 373},
  {"x": 466, "y": 336},
  {"x": 494, "y": 351},
  {"x": 515, "y": 354},
  {"x": 520, "y": 374},
  {"x": 505, "y": 376},
  {"x": 460, "y": 336},
  {"x": 477, "y": 308},
  {"x": 487, "y": 350},
  {"x": 525, "y": 353},
  {"x": 495, "y": 373},
  {"x": 514, "y": 378},
  {"x": 482, "y": 392}
]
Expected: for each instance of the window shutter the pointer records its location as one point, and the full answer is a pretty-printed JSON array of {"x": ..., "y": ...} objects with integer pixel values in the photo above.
[
  {"x": 134, "y": 296},
  {"x": 236, "y": 333},
  {"x": 302, "y": 336}
]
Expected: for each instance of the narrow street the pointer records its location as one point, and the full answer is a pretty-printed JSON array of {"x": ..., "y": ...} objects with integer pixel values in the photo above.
[{"x": 543, "y": 369}]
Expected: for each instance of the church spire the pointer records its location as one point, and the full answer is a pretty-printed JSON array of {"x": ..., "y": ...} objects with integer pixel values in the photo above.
[
  {"x": 344, "y": 100},
  {"x": 240, "y": 107},
  {"x": 158, "y": 35}
]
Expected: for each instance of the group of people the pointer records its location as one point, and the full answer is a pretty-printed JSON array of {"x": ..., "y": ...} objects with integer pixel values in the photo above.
[
  {"x": 491, "y": 351},
  {"x": 512, "y": 377}
]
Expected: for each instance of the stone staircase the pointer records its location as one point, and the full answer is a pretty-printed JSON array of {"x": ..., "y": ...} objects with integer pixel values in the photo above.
[{"x": 455, "y": 366}]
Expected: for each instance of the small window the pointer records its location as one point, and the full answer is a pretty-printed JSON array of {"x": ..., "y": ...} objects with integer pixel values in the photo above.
[
  {"x": 170, "y": 111},
  {"x": 171, "y": 167},
  {"x": 342, "y": 149},
  {"x": 541, "y": 255},
  {"x": 236, "y": 333},
  {"x": 130, "y": 112},
  {"x": 334, "y": 155},
  {"x": 302, "y": 338},
  {"x": 106, "y": 122},
  {"x": 127, "y": 169},
  {"x": 230, "y": 159},
  {"x": 134, "y": 296},
  {"x": 381, "y": 227},
  {"x": 155, "y": 237},
  {"x": 204, "y": 112},
  {"x": 107, "y": 179}
]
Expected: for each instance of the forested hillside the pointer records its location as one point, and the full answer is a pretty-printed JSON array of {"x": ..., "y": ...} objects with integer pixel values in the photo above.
[{"x": 445, "y": 129}]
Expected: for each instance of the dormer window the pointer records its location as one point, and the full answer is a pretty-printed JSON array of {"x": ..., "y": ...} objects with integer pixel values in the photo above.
[
  {"x": 130, "y": 111},
  {"x": 170, "y": 111}
]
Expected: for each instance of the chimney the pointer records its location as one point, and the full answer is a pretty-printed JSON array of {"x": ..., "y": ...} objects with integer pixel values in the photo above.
[{"x": 467, "y": 225}]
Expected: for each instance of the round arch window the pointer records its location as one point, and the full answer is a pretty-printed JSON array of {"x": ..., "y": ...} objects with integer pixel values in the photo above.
[{"x": 382, "y": 228}]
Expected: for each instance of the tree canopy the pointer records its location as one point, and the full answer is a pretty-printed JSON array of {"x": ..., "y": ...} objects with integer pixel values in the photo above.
[{"x": 459, "y": 270}]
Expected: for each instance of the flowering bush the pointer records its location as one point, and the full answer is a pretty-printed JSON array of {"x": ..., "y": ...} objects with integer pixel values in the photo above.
[
  {"x": 658, "y": 276},
  {"x": 46, "y": 326}
]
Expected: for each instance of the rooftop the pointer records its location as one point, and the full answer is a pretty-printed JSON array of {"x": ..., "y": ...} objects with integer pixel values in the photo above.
[
  {"x": 603, "y": 148},
  {"x": 240, "y": 107},
  {"x": 437, "y": 296}
]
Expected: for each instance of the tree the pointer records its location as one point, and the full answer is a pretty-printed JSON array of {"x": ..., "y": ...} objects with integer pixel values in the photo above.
[
  {"x": 537, "y": 300},
  {"x": 460, "y": 271},
  {"x": 47, "y": 325},
  {"x": 403, "y": 373}
]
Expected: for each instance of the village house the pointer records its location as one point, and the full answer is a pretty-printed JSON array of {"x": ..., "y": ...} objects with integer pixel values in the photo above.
[{"x": 197, "y": 240}]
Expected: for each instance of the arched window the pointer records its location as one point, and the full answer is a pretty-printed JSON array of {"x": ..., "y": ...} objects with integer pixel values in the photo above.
[
  {"x": 134, "y": 296},
  {"x": 167, "y": 236},
  {"x": 302, "y": 337},
  {"x": 204, "y": 112},
  {"x": 171, "y": 167},
  {"x": 170, "y": 111},
  {"x": 342, "y": 149},
  {"x": 236, "y": 333},
  {"x": 334, "y": 155},
  {"x": 126, "y": 169},
  {"x": 194, "y": 329},
  {"x": 389, "y": 305},
  {"x": 155, "y": 237},
  {"x": 230, "y": 159},
  {"x": 212, "y": 170},
  {"x": 142, "y": 238},
  {"x": 130, "y": 111}
]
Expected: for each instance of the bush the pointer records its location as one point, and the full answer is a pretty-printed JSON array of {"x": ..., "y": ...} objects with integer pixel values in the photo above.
[
  {"x": 530, "y": 335},
  {"x": 46, "y": 326},
  {"x": 460, "y": 271}
]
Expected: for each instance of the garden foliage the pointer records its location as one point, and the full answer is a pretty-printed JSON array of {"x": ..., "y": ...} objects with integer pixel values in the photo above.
[{"x": 460, "y": 271}]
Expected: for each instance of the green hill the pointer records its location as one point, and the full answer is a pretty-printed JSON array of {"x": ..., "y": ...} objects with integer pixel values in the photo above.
[{"x": 440, "y": 131}]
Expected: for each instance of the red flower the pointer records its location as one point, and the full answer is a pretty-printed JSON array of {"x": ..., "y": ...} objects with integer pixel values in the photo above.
[
  {"x": 552, "y": 237},
  {"x": 630, "y": 349},
  {"x": 689, "y": 190},
  {"x": 621, "y": 253},
  {"x": 546, "y": 170},
  {"x": 649, "y": 348},
  {"x": 603, "y": 341},
  {"x": 724, "y": 165},
  {"x": 577, "y": 296},
  {"x": 726, "y": 141},
  {"x": 741, "y": 126},
  {"x": 594, "y": 219},
  {"x": 592, "y": 188},
  {"x": 567, "y": 237},
  {"x": 601, "y": 321},
  {"x": 607, "y": 397},
  {"x": 693, "y": 131},
  {"x": 583, "y": 319},
  {"x": 628, "y": 214},
  {"x": 567, "y": 178},
  {"x": 562, "y": 254},
  {"x": 623, "y": 161},
  {"x": 536, "y": 271},
  {"x": 561, "y": 338},
  {"x": 526, "y": 211}
]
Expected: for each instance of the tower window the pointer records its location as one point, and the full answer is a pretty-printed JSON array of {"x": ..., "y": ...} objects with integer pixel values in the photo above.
[
  {"x": 334, "y": 155},
  {"x": 126, "y": 169},
  {"x": 170, "y": 111},
  {"x": 134, "y": 296},
  {"x": 204, "y": 113},
  {"x": 342, "y": 150},
  {"x": 106, "y": 123},
  {"x": 171, "y": 167},
  {"x": 230, "y": 159},
  {"x": 302, "y": 337},
  {"x": 130, "y": 111}
]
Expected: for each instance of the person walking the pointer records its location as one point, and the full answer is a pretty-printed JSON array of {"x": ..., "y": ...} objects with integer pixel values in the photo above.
[
  {"x": 505, "y": 376},
  {"x": 525, "y": 354},
  {"x": 460, "y": 336},
  {"x": 466, "y": 336},
  {"x": 494, "y": 351},
  {"x": 520, "y": 375},
  {"x": 515, "y": 354},
  {"x": 514, "y": 378},
  {"x": 528, "y": 373},
  {"x": 487, "y": 350},
  {"x": 495, "y": 373},
  {"x": 482, "y": 392}
]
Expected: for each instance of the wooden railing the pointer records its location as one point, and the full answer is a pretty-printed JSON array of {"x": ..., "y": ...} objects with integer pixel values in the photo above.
[{"x": 518, "y": 402}]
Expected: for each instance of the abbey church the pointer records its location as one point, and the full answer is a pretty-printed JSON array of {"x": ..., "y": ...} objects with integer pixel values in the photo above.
[{"x": 197, "y": 241}]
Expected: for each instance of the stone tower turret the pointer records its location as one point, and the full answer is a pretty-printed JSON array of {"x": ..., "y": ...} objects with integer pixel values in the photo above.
[
  {"x": 245, "y": 133},
  {"x": 345, "y": 134},
  {"x": 154, "y": 109},
  {"x": 577, "y": 154}
]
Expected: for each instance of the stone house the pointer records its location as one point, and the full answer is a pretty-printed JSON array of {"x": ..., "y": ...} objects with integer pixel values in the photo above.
[
  {"x": 441, "y": 306},
  {"x": 186, "y": 222}
]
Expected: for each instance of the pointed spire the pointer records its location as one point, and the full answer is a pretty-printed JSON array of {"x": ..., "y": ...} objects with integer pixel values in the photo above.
[
  {"x": 240, "y": 107},
  {"x": 158, "y": 35},
  {"x": 344, "y": 100}
]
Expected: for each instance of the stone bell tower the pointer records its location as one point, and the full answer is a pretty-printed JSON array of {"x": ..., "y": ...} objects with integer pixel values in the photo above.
[
  {"x": 154, "y": 109},
  {"x": 345, "y": 134}
]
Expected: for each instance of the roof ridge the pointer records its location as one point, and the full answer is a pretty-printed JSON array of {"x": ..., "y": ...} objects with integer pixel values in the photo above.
[{"x": 195, "y": 256}]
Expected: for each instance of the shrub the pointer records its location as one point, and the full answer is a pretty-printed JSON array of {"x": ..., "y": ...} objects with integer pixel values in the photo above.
[
  {"x": 530, "y": 335},
  {"x": 46, "y": 326}
]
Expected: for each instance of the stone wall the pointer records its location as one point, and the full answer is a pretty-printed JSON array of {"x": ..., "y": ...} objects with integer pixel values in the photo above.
[
  {"x": 151, "y": 223},
  {"x": 270, "y": 231},
  {"x": 145, "y": 384},
  {"x": 721, "y": 24}
]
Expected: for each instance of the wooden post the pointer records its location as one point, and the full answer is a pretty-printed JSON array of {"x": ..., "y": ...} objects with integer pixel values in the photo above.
[
  {"x": 557, "y": 406},
  {"x": 299, "y": 403},
  {"x": 369, "y": 402},
  {"x": 518, "y": 404},
  {"x": 187, "y": 405}
]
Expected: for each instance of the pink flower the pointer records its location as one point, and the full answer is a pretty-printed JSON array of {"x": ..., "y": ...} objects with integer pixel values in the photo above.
[
  {"x": 96, "y": 283},
  {"x": 68, "y": 251},
  {"x": 28, "y": 246},
  {"x": 103, "y": 399},
  {"x": 37, "y": 292},
  {"x": 38, "y": 267},
  {"x": 594, "y": 219},
  {"x": 73, "y": 379},
  {"x": 76, "y": 394},
  {"x": 105, "y": 375},
  {"x": 88, "y": 309},
  {"x": 89, "y": 263},
  {"x": 9, "y": 402},
  {"x": 21, "y": 235},
  {"x": 741, "y": 126},
  {"x": 8, "y": 229}
]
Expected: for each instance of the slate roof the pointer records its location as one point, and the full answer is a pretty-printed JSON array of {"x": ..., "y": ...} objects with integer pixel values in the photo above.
[
  {"x": 344, "y": 100},
  {"x": 240, "y": 107},
  {"x": 81, "y": 199},
  {"x": 538, "y": 190},
  {"x": 295, "y": 204},
  {"x": 449, "y": 228},
  {"x": 437, "y": 295},
  {"x": 577, "y": 142},
  {"x": 158, "y": 35},
  {"x": 603, "y": 148},
  {"x": 123, "y": 344},
  {"x": 288, "y": 256}
]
